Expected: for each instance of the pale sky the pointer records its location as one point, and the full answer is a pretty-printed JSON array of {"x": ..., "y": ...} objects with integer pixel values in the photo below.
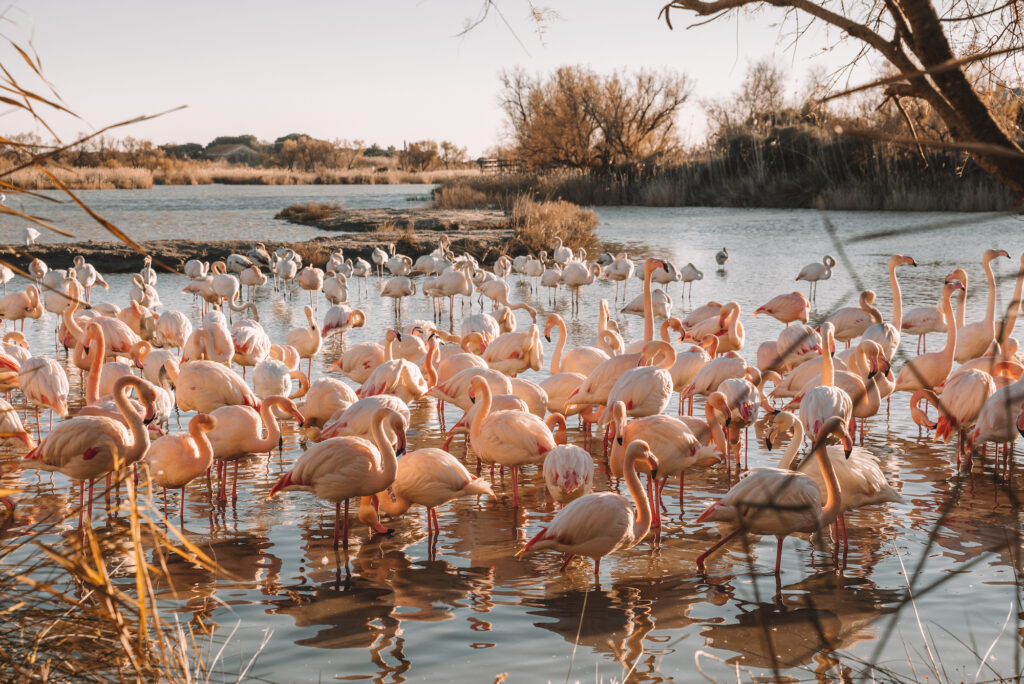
[{"x": 383, "y": 71}]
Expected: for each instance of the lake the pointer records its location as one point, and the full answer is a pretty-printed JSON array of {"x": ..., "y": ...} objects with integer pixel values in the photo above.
[{"x": 388, "y": 611}]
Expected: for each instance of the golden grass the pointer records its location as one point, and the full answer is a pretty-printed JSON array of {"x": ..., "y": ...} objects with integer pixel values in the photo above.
[
  {"x": 537, "y": 224},
  {"x": 311, "y": 211},
  {"x": 188, "y": 172},
  {"x": 460, "y": 195}
]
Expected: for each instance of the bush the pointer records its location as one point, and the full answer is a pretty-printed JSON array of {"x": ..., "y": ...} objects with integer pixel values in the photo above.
[
  {"x": 313, "y": 211},
  {"x": 459, "y": 195},
  {"x": 536, "y": 225}
]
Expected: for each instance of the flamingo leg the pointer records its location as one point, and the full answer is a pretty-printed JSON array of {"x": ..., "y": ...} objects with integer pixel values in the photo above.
[
  {"x": 714, "y": 547},
  {"x": 234, "y": 484},
  {"x": 515, "y": 486},
  {"x": 597, "y": 571},
  {"x": 842, "y": 528},
  {"x": 91, "y": 483},
  {"x": 568, "y": 559},
  {"x": 778, "y": 557},
  {"x": 181, "y": 513},
  {"x": 682, "y": 482}
]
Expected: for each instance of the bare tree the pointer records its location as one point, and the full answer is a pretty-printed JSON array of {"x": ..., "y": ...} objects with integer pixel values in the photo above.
[{"x": 919, "y": 44}]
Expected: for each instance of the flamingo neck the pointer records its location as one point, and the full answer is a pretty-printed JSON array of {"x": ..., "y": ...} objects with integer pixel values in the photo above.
[
  {"x": 664, "y": 331},
  {"x": 388, "y": 342},
  {"x": 273, "y": 427},
  {"x": 484, "y": 400},
  {"x": 1011, "y": 314},
  {"x": 950, "y": 348},
  {"x": 827, "y": 368},
  {"x": 717, "y": 433},
  {"x": 643, "y": 507},
  {"x": 396, "y": 506},
  {"x": 556, "y": 359},
  {"x": 198, "y": 432},
  {"x": 648, "y": 306},
  {"x": 92, "y": 386},
  {"x": 834, "y": 495},
  {"x": 431, "y": 365},
  {"x": 793, "y": 449},
  {"x": 140, "y": 435},
  {"x": 387, "y": 452},
  {"x": 897, "y": 299},
  {"x": 990, "y": 305}
]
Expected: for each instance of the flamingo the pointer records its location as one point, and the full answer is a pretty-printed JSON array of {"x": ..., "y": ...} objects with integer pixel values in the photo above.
[
  {"x": 786, "y": 308},
  {"x": 515, "y": 352},
  {"x": 340, "y": 319},
  {"x": 927, "y": 371},
  {"x": 87, "y": 447},
  {"x": 251, "y": 344},
  {"x": 688, "y": 274},
  {"x": 237, "y": 433},
  {"x": 511, "y": 438},
  {"x": 431, "y": 478},
  {"x": 359, "y": 361},
  {"x": 860, "y": 477},
  {"x": 340, "y": 468},
  {"x": 18, "y": 306},
  {"x": 559, "y": 253},
  {"x": 974, "y": 339},
  {"x": 45, "y": 385},
  {"x": 599, "y": 382},
  {"x": 88, "y": 276},
  {"x": 379, "y": 258},
  {"x": 324, "y": 398},
  {"x": 307, "y": 341},
  {"x": 394, "y": 376},
  {"x": 963, "y": 396},
  {"x": 357, "y": 419},
  {"x": 923, "y": 320},
  {"x": 646, "y": 390},
  {"x": 885, "y": 334},
  {"x": 397, "y": 288},
  {"x": 568, "y": 473},
  {"x": 815, "y": 272},
  {"x": 271, "y": 377},
  {"x": 205, "y": 386},
  {"x": 11, "y": 429},
  {"x": 598, "y": 524},
  {"x": 252, "y": 278},
  {"x": 176, "y": 460},
  {"x": 620, "y": 271},
  {"x": 172, "y": 329},
  {"x": 143, "y": 293},
  {"x": 310, "y": 279},
  {"x": 851, "y": 321},
  {"x": 825, "y": 401},
  {"x": 780, "y": 502}
]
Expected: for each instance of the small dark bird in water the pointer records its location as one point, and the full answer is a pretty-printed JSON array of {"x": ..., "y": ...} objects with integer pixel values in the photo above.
[{"x": 722, "y": 257}]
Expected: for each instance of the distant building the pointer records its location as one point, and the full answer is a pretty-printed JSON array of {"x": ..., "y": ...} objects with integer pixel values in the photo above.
[{"x": 233, "y": 153}]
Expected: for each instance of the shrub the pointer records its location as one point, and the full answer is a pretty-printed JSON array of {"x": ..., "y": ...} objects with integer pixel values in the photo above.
[
  {"x": 312, "y": 211},
  {"x": 459, "y": 195},
  {"x": 536, "y": 224}
]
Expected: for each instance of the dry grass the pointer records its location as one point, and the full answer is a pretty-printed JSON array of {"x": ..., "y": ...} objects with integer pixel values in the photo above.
[
  {"x": 312, "y": 253},
  {"x": 312, "y": 211},
  {"x": 537, "y": 224},
  {"x": 178, "y": 172},
  {"x": 459, "y": 195}
]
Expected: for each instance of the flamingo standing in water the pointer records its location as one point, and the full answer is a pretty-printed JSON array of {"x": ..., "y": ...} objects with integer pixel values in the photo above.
[
  {"x": 45, "y": 384},
  {"x": 778, "y": 501},
  {"x": 787, "y": 308},
  {"x": 974, "y": 340},
  {"x": 430, "y": 477},
  {"x": 927, "y": 371},
  {"x": 307, "y": 341},
  {"x": 885, "y": 334},
  {"x": 176, "y": 460},
  {"x": 511, "y": 438},
  {"x": 601, "y": 523},
  {"x": 340, "y": 468},
  {"x": 815, "y": 272},
  {"x": 18, "y": 306}
]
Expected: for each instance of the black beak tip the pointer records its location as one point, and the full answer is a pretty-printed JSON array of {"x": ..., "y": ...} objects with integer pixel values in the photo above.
[
  {"x": 848, "y": 452},
  {"x": 547, "y": 337},
  {"x": 618, "y": 440},
  {"x": 768, "y": 444}
]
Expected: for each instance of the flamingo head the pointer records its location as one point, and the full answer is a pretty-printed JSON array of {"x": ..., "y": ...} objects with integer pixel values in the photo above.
[{"x": 286, "y": 482}]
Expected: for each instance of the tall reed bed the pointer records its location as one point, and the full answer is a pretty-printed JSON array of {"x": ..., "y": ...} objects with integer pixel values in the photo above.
[
  {"x": 535, "y": 225},
  {"x": 792, "y": 167},
  {"x": 171, "y": 172}
]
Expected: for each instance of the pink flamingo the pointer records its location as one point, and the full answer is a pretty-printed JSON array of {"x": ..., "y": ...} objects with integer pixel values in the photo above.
[
  {"x": 780, "y": 502},
  {"x": 340, "y": 468},
  {"x": 307, "y": 341},
  {"x": 176, "y": 460},
  {"x": 851, "y": 321},
  {"x": 431, "y": 478},
  {"x": 45, "y": 385},
  {"x": 927, "y": 371},
  {"x": 18, "y": 306},
  {"x": 787, "y": 308},
  {"x": 205, "y": 386},
  {"x": 577, "y": 360},
  {"x": 601, "y": 523},
  {"x": 885, "y": 334},
  {"x": 509, "y": 438},
  {"x": 974, "y": 340},
  {"x": 568, "y": 473}
]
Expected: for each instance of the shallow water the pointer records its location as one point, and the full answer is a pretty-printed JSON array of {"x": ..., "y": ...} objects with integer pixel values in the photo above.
[{"x": 389, "y": 609}]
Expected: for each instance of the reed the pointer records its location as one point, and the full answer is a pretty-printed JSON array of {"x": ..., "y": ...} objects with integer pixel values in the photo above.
[
  {"x": 459, "y": 195},
  {"x": 536, "y": 224},
  {"x": 311, "y": 211},
  {"x": 90, "y": 178}
]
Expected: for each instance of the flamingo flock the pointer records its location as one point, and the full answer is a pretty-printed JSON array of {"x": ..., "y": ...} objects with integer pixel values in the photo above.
[{"x": 818, "y": 384}]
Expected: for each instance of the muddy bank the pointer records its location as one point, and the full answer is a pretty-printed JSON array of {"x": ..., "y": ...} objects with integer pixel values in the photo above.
[
  {"x": 415, "y": 219},
  {"x": 116, "y": 257}
]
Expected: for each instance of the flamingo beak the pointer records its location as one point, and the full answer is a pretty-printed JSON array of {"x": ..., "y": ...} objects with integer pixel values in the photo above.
[
  {"x": 909, "y": 260},
  {"x": 298, "y": 416},
  {"x": 768, "y": 442},
  {"x": 619, "y": 440},
  {"x": 400, "y": 451},
  {"x": 547, "y": 337},
  {"x": 652, "y": 463}
]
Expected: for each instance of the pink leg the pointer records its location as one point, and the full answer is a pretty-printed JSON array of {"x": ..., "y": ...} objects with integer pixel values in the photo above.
[
  {"x": 842, "y": 528},
  {"x": 778, "y": 557},
  {"x": 515, "y": 486},
  {"x": 234, "y": 484},
  {"x": 597, "y": 571},
  {"x": 181, "y": 514},
  {"x": 682, "y": 482},
  {"x": 568, "y": 559}
]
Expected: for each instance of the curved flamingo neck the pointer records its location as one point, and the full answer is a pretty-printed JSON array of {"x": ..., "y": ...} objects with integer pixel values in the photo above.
[
  {"x": 643, "y": 507},
  {"x": 389, "y": 462},
  {"x": 717, "y": 433},
  {"x": 834, "y": 496},
  {"x": 431, "y": 363},
  {"x": 793, "y": 449},
  {"x": 140, "y": 435},
  {"x": 273, "y": 427},
  {"x": 484, "y": 399},
  {"x": 197, "y": 430},
  {"x": 68, "y": 315},
  {"x": 556, "y": 358},
  {"x": 389, "y": 340}
]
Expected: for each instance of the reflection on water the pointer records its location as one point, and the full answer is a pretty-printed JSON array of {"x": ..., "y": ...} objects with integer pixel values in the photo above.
[{"x": 393, "y": 608}]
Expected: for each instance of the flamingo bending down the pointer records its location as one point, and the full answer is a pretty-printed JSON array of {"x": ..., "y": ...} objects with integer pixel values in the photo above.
[
  {"x": 176, "y": 460},
  {"x": 568, "y": 473},
  {"x": 787, "y": 308},
  {"x": 860, "y": 477},
  {"x": 963, "y": 396},
  {"x": 340, "y": 468},
  {"x": 511, "y": 438},
  {"x": 780, "y": 502},
  {"x": 430, "y": 477},
  {"x": 598, "y": 524}
]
